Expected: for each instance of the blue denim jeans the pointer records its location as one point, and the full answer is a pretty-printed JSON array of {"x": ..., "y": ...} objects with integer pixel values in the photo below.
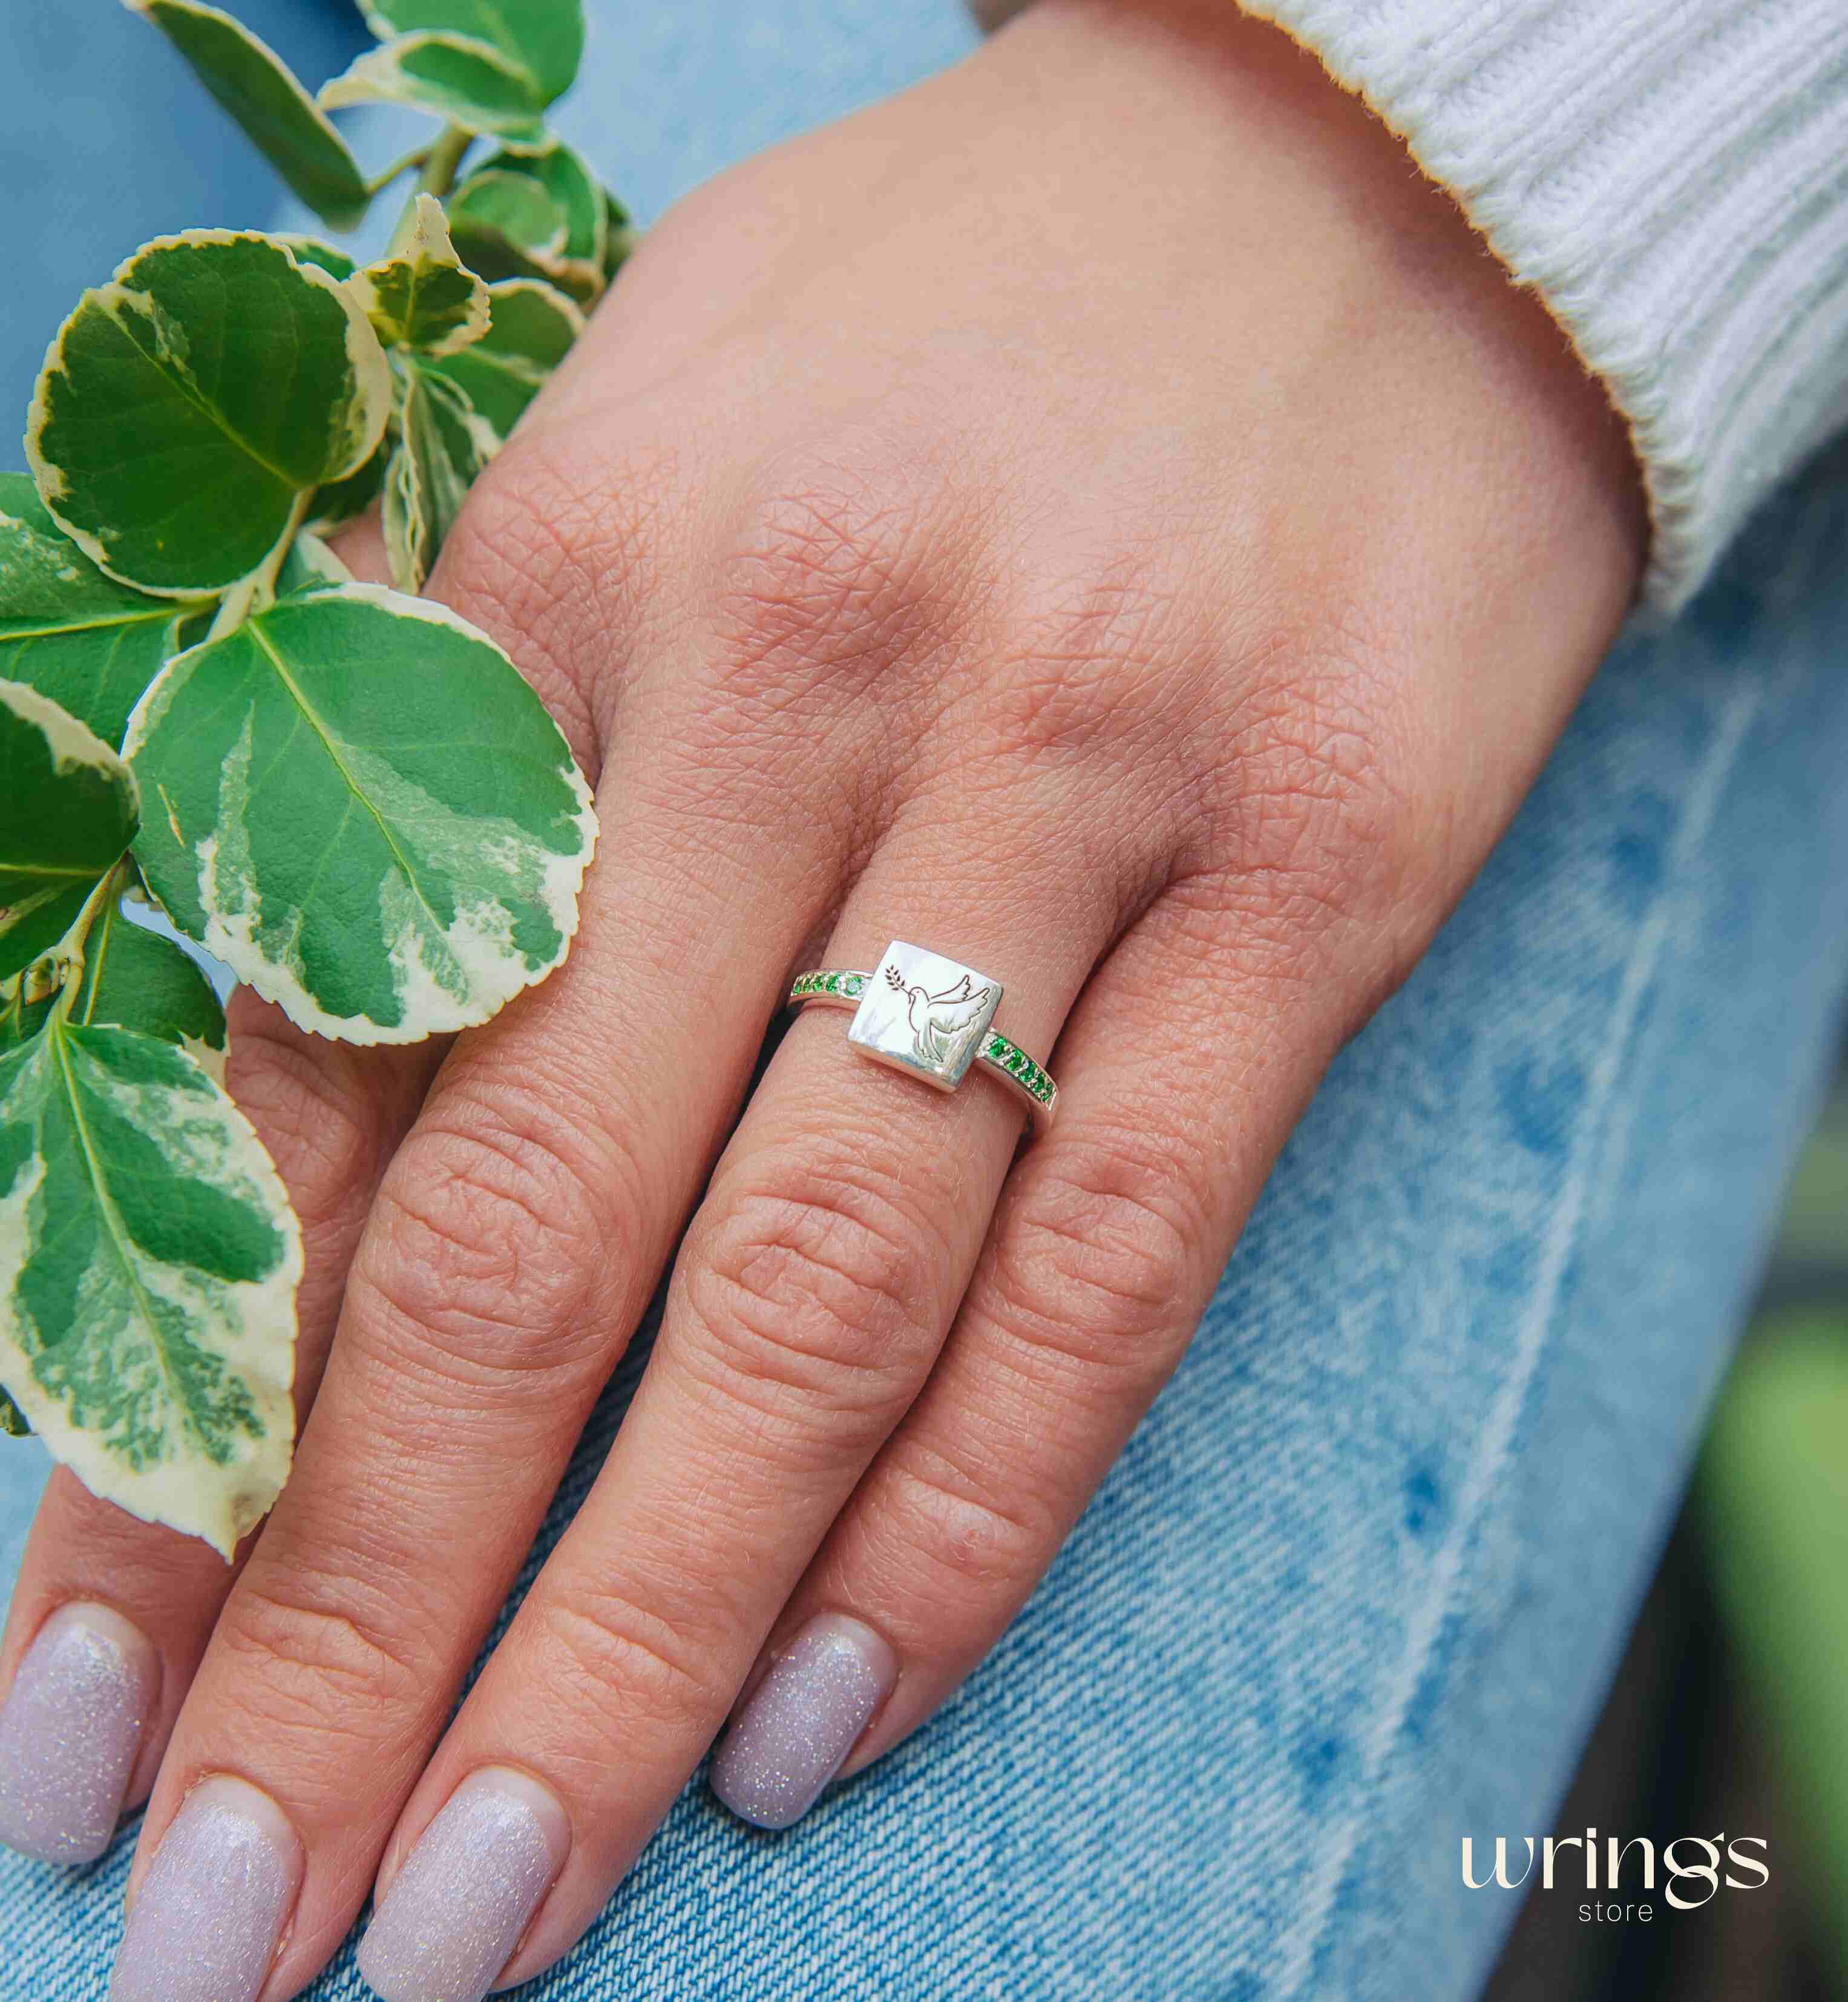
[{"x": 1354, "y": 1589}]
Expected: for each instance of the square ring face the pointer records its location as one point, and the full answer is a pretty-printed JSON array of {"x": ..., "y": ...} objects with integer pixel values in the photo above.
[{"x": 925, "y": 1014}]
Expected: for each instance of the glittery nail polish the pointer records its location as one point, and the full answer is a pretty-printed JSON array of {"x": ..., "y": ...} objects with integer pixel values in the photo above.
[
  {"x": 212, "y": 1907},
  {"x": 70, "y": 1730},
  {"x": 458, "y": 1906},
  {"x": 803, "y": 1720}
]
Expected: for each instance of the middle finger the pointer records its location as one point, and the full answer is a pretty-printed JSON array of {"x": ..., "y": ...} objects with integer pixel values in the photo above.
[{"x": 809, "y": 1302}]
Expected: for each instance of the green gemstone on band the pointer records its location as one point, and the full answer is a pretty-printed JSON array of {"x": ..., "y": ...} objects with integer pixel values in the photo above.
[
  {"x": 998, "y": 1052},
  {"x": 1020, "y": 1067},
  {"x": 848, "y": 986}
]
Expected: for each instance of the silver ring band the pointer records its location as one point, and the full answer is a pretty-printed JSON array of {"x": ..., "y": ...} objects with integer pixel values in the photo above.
[{"x": 931, "y": 1018}]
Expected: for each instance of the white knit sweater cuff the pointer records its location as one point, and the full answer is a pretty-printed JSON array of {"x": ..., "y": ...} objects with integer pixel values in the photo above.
[{"x": 1672, "y": 175}]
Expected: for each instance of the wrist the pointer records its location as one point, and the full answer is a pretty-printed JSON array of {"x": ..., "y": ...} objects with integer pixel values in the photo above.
[{"x": 1210, "y": 108}]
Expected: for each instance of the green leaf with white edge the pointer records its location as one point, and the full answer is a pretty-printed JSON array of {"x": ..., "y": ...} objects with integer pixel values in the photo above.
[
  {"x": 134, "y": 978},
  {"x": 516, "y": 206},
  {"x": 149, "y": 1265},
  {"x": 510, "y": 224},
  {"x": 67, "y": 811},
  {"x": 404, "y": 520},
  {"x": 310, "y": 565},
  {"x": 362, "y": 810},
  {"x": 442, "y": 446},
  {"x": 497, "y": 214},
  {"x": 90, "y": 643},
  {"x": 532, "y": 320},
  {"x": 419, "y": 296},
  {"x": 576, "y": 195},
  {"x": 531, "y": 329},
  {"x": 468, "y": 83},
  {"x": 545, "y": 37},
  {"x": 185, "y": 405},
  {"x": 328, "y": 257},
  {"x": 251, "y": 81}
]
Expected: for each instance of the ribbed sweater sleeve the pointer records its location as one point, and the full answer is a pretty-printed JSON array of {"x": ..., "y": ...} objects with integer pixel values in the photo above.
[{"x": 1671, "y": 176}]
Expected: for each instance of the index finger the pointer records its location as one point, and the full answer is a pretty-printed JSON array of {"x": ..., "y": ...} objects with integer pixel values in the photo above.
[{"x": 515, "y": 1243}]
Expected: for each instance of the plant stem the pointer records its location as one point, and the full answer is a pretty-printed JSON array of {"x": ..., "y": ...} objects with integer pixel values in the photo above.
[
  {"x": 257, "y": 592},
  {"x": 72, "y": 958},
  {"x": 440, "y": 164},
  {"x": 437, "y": 176},
  {"x": 415, "y": 160}
]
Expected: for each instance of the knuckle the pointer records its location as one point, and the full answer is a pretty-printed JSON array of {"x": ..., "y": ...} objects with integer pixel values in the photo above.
[
  {"x": 1070, "y": 660},
  {"x": 949, "y": 1524},
  {"x": 550, "y": 554},
  {"x": 605, "y": 1655},
  {"x": 488, "y": 1242},
  {"x": 831, "y": 578},
  {"x": 1099, "y": 1254},
  {"x": 300, "y": 1647},
  {"x": 1319, "y": 822},
  {"x": 819, "y": 1277}
]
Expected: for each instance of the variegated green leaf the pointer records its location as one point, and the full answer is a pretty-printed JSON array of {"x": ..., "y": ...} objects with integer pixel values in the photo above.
[
  {"x": 185, "y": 405},
  {"x": 443, "y": 445},
  {"x": 576, "y": 197},
  {"x": 67, "y": 811},
  {"x": 312, "y": 250},
  {"x": 341, "y": 500},
  {"x": 134, "y": 978},
  {"x": 406, "y": 520},
  {"x": 509, "y": 224},
  {"x": 531, "y": 329},
  {"x": 545, "y": 37},
  {"x": 90, "y": 643},
  {"x": 419, "y": 296},
  {"x": 363, "y": 811},
  {"x": 518, "y": 207},
  {"x": 506, "y": 225},
  {"x": 252, "y": 83},
  {"x": 469, "y": 83},
  {"x": 148, "y": 1264},
  {"x": 310, "y": 565}
]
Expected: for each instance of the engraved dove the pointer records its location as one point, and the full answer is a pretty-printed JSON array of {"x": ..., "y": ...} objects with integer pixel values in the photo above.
[{"x": 939, "y": 1022}]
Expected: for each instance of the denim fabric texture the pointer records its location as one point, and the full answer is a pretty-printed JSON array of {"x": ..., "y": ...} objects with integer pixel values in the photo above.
[{"x": 1354, "y": 1589}]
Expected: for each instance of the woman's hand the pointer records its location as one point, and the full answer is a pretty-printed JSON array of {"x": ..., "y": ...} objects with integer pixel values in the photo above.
[{"x": 1101, "y": 517}]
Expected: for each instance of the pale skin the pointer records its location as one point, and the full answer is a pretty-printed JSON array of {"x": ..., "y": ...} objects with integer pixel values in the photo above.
[{"x": 1102, "y": 516}]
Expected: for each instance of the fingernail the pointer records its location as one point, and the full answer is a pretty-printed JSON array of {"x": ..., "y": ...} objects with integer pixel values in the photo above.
[
  {"x": 803, "y": 1720},
  {"x": 465, "y": 1893},
  {"x": 69, "y": 1731},
  {"x": 212, "y": 1907}
]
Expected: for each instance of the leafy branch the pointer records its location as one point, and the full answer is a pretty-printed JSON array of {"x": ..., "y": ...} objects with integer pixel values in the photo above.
[{"x": 346, "y": 795}]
